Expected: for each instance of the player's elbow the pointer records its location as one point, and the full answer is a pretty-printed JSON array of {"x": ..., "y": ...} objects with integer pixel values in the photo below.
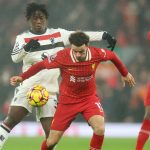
[{"x": 15, "y": 59}]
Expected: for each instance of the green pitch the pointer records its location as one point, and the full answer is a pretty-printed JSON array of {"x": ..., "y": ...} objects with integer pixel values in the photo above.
[{"x": 26, "y": 143}]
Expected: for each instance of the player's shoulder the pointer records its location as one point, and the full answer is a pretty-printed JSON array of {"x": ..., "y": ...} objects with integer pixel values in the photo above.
[
  {"x": 98, "y": 49},
  {"x": 64, "y": 52},
  {"x": 60, "y": 56},
  {"x": 51, "y": 29},
  {"x": 56, "y": 29},
  {"x": 97, "y": 52},
  {"x": 94, "y": 49},
  {"x": 24, "y": 33}
]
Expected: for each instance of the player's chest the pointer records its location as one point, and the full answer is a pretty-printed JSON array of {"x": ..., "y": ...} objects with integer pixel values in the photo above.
[
  {"x": 50, "y": 38},
  {"x": 81, "y": 70}
]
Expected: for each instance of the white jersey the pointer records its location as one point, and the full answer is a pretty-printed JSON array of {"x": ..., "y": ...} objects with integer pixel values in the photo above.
[{"x": 52, "y": 41}]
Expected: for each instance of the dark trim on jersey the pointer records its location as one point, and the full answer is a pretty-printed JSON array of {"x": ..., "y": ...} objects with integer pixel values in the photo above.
[
  {"x": 50, "y": 46},
  {"x": 5, "y": 128},
  {"x": 43, "y": 37},
  {"x": 44, "y": 47}
]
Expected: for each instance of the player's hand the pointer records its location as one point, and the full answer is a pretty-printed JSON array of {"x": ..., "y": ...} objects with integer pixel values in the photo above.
[
  {"x": 15, "y": 80},
  {"x": 110, "y": 39},
  {"x": 128, "y": 79},
  {"x": 32, "y": 45}
]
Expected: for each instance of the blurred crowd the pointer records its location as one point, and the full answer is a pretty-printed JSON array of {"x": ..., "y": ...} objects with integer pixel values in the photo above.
[{"x": 127, "y": 20}]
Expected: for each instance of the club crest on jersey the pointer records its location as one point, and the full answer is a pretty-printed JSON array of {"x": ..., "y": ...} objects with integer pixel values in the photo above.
[
  {"x": 52, "y": 41},
  {"x": 93, "y": 66}
]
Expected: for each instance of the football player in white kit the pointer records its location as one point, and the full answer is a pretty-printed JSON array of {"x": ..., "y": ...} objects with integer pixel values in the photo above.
[{"x": 31, "y": 47}]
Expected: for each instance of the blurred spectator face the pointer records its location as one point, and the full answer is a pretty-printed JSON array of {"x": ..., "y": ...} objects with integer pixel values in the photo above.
[{"x": 38, "y": 22}]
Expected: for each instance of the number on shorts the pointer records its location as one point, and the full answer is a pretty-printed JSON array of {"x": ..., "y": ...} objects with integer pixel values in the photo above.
[{"x": 99, "y": 106}]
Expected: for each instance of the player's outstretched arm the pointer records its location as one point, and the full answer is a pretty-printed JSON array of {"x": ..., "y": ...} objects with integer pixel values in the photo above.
[
  {"x": 93, "y": 35},
  {"x": 129, "y": 79},
  {"x": 103, "y": 35}
]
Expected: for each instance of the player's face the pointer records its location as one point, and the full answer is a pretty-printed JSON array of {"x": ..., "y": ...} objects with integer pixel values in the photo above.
[
  {"x": 80, "y": 52},
  {"x": 38, "y": 22}
]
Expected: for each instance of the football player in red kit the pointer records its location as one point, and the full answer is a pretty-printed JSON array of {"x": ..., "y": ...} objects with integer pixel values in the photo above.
[
  {"x": 144, "y": 133},
  {"x": 77, "y": 87}
]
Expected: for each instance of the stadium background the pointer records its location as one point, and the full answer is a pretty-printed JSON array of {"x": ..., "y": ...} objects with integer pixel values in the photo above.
[{"x": 127, "y": 20}]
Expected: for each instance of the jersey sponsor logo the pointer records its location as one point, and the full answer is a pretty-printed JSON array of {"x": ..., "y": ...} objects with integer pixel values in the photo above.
[
  {"x": 84, "y": 79},
  {"x": 80, "y": 79},
  {"x": 52, "y": 41}
]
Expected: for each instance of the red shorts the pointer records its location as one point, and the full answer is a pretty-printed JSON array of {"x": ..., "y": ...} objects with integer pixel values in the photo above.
[
  {"x": 147, "y": 100},
  {"x": 66, "y": 113}
]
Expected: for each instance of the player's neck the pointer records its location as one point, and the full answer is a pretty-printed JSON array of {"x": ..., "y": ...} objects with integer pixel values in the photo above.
[{"x": 38, "y": 33}]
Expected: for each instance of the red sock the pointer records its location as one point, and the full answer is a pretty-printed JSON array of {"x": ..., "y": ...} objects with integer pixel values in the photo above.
[
  {"x": 96, "y": 142},
  {"x": 44, "y": 145},
  {"x": 143, "y": 135}
]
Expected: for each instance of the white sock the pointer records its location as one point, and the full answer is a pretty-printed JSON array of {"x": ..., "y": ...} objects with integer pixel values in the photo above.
[{"x": 4, "y": 133}]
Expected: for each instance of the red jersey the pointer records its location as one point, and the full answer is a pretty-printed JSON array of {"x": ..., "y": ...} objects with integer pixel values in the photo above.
[{"x": 78, "y": 78}]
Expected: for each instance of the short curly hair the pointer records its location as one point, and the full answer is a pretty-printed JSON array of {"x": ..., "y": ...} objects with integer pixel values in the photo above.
[
  {"x": 79, "y": 38},
  {"x": 33, "y": 7}
]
